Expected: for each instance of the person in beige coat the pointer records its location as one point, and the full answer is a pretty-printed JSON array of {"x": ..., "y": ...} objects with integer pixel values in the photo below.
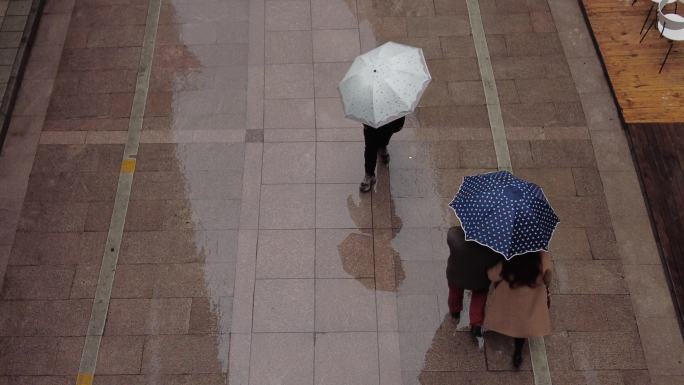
[{"x": 519, "y": 305}]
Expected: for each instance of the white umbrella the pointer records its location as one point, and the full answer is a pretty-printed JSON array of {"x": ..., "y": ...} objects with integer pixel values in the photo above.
[{"x": 384, "y": 84}]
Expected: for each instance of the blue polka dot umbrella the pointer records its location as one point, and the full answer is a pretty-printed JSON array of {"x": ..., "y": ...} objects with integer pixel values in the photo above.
[{"x": 507, "y": 214}]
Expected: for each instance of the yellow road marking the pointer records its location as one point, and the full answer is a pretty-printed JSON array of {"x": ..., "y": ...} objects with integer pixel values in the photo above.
[
  {"x": 84, "y": 379},
  {"x": 128, "y": 166}
]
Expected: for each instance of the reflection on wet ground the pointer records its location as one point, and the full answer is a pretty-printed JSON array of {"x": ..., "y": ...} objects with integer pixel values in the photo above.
[{"x": 248, "y": 251}]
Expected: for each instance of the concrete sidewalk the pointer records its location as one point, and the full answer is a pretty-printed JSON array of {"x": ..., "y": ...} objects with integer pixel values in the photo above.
[{"x": 248, "y": 256}]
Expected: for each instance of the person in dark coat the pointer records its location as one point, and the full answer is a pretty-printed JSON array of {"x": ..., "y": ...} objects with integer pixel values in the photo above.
[
  {"x": 467, "y": 270},
  {"x": 376, "y": 140}
]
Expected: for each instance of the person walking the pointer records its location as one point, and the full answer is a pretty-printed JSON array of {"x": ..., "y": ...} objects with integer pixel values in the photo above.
[
  {"x": 519, "y": 304},
  {"x": 376, "y": 141},
  {"x": 467, "y": 268}
]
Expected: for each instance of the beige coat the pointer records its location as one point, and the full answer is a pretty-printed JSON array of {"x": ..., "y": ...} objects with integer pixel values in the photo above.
[{"x": 521, "y": 312}]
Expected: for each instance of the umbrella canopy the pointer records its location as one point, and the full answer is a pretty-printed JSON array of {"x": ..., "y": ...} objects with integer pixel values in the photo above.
[
  {"x": 384, "y": 84},
  {"x": 507, "y": 214}
]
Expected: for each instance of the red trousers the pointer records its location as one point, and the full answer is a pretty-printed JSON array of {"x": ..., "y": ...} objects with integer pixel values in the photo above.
[{"x": 477, "y": 304}]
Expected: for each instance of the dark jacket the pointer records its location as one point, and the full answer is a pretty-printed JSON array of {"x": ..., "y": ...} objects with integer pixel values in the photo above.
[{"x": 468, "y": 262}]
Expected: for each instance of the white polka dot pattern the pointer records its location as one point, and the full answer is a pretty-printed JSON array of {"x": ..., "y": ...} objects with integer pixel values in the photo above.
[
  {"x": 384, "y": 84},
  {"x": 507, "y": 214}
]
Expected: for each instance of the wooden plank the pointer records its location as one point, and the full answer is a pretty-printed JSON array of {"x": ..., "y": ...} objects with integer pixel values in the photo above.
[
  {"x": 659, "y": 154},
  {"x": 643, "y": 95}
]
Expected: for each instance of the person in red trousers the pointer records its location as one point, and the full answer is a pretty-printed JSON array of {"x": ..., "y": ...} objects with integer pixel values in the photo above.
[{"x": 467, "y": 270}]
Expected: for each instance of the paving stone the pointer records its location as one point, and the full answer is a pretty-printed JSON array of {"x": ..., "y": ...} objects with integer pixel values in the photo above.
[
  {"x": 418, "y": 312},
  {"x": 299, "y": 213},
  {"x": 284, "y": 305},
  {"x": 603, "y": 243},
  {"x": 584, "y": 277},
  {"x": 335, "y": 45},
  {"x": 185, "y": 354},
  {"x": 7, "y": 56},
  {"x": 499, "y": 350},
  {"x": 195, "y": 280},
  {"x": 341, "y": 162},
  {"x": 546, "y": 90},
  {"x": 467, "y": 92},
  {"x": 436, "y": 94},
  {"x": 330, "y": 114},
  {"x": 85, "y": 281},
  {"x": 286, "y": 254},
  {"x": 554, "y": 181},
  {"x": 450, "y": 350},
  {"x": 38, "y": 282},
  {"x": 559, "y": 352},
  {"x": 452, "y": 70},
  {"x": 288, "y": 15},
  {"x": 475, "y": 377},
  {"x": 453, "y": 116},
  {"x": 445, "y": 7},
  {"x": 36, "y": 355},
  {"x": 134, "y": 281},
  {"x": 533, "y": 44},
  {"x": 526, "y": 115},
  {"x": 542, "y": 22},
  {"x": 570, "y": 243},
  {"x": 438, "y": 26},
  {"x": 587, "y": 377},
  {"x": 506, "y": 24},
  {"x": 345, "y": 305},
  {"x": 44, "y": 318},
  {"x": 598, "y": 108},
  {"x": 284, "y": 358},
  {"x": 14, "y": 23},
  {"x": 649, "y": 291},
  {"x": 333, "y": 14},
  {"x": 614, "y": 153},
  {"x": 342, "y": 206},
  {"x": 120, "y": 355},
  {"x": 663, "y": 346},
  {"x": 211, "y": 315},
  {"x": 458, "y": 46},
  {"x": 563, "y": 153},
  {"x": 327, "y": 76},
  {"x": 607, "y": 350},
  {"x": 289, "y": 81},
  {"x": 180, "y": 246},
  {"x": 346, "y": 358},
  {"x": 57, "y": 248},
  {"x": 289, "y": 163},
  {"x": 343, "y": 253},
  {"x": 587, "y": 181},
  {"x": 289, "y": 47},
  {"x": 294, "y": 113},
  {"x": 144, "y": 317},
  {"x": 592, "y": 313}
]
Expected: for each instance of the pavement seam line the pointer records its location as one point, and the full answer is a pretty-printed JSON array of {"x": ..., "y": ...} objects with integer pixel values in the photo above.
[
  {"x": 540, "y": 365},
  {"x": 503, "y": 157},
  {"x": 98, "y": 315}
]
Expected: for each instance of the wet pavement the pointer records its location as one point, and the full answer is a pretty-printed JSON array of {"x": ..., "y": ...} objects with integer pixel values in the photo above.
[{"x": 248, "y": 255}]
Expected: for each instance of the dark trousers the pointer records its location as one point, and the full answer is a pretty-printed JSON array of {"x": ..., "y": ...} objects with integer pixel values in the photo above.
[
  {"x": 477, "y": 304},
  {"x": 377, "y": 138}
]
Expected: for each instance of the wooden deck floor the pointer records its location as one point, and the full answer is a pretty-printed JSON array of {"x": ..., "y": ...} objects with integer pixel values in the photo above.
[
  {"x": 644, "y": 95},
  {"x": 659, "y": 152}
]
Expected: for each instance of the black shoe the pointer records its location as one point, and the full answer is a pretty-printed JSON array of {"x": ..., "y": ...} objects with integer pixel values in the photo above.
[
  {"x": 367, "y": 183},
  {"x": 384, "y": 155},
  {"x": 517, "y": 359},
  {"x": 456, "y": 316},
  {"x": 476, "y": 332}
]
